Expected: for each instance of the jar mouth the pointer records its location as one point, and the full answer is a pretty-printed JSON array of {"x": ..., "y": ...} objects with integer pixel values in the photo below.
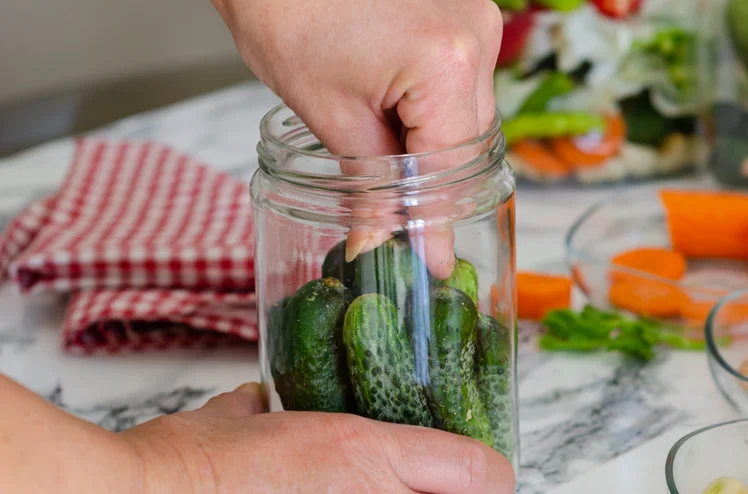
[{"x": 270, "y": 137}]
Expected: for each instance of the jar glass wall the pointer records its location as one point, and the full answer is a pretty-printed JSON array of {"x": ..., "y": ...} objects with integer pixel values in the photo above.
[
  {"x": 385, "y": 336},
  {"x": 724, "y": 71}
]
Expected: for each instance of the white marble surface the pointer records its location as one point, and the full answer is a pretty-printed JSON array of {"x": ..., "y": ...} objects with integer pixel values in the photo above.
[{"x": 588, "y": 424}]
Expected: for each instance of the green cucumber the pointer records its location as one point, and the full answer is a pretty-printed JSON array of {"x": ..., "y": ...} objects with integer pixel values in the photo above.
[
  {"x": 381, "y": 363},
  {"x": 335, "y": 265},
  {"x": 494, "y": 373},
  {"x": 314, "y": 377},
  {"x": 391, "y": 269},
  {"x": 452, "y": 392},
  {"x": 275, "y": 337},
  {"x": 464, "y": 277}
]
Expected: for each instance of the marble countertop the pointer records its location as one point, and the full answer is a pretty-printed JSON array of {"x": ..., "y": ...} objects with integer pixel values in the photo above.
[{"x": 596, "y": 423}]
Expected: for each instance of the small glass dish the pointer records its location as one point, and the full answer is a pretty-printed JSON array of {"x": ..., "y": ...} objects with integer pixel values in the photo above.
[
  {"x": 636, "y": 219},
  {"x": 701, "y": 457},
  {"x": 728, "y": 364}
]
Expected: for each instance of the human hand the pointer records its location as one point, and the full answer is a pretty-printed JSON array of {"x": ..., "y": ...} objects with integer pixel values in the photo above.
[
  {"x": 356, "y": 71},
  {"x": 229, "y": 446}
]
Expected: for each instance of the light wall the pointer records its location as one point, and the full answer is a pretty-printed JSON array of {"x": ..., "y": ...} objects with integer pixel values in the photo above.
[{"x": 47, "y": 45}]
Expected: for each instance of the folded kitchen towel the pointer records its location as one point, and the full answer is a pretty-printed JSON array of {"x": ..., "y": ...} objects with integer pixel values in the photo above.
[{"x": 156, "y": 249}]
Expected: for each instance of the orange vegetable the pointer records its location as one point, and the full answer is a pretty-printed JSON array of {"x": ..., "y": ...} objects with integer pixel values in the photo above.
[
  {"x": 587, "y": 151},
  {"x": 707, "y": 224},
  {"x": 696, "y": 312},
  {"x": 647, "y": 297},
  {"x": 539, "y": 293},
  {"x": 656, "y": 261},
  {"x": 538, "y": 157}
]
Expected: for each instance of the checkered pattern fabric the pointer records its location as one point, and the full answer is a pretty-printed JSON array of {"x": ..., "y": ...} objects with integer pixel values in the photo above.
[{"x": 156, "y": 249}]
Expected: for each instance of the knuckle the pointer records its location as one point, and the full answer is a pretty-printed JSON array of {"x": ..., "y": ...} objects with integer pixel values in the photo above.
[
  {"x": 458, "y": 50},
  {"x": 234, "y": 404}
]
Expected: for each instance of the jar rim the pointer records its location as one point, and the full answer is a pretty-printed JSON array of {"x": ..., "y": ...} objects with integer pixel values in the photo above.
[{"x": 267, "y": 135}]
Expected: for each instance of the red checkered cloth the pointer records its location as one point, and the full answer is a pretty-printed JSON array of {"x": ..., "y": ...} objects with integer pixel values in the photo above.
[{"x": 156, "y": 248}]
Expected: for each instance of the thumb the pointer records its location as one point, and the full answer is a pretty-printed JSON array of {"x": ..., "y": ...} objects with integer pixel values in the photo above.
[{"x": 248, "y": 399}]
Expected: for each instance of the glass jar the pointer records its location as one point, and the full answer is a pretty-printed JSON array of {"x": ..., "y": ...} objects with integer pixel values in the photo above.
[
  {"x": 382, "y": 336},
  {"x": 724, "y": 68},
  {"x": 599, "y": 92}
]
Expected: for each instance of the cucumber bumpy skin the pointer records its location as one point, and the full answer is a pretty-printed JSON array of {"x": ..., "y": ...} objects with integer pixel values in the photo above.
[
  {"x": 493, "y": 370},
  {"x": 452, "y": 393},
  {"x": 464, "y": 277},
  {"x": 381, "y": 363},
  {"x": 314, "y": 377},
  {"x": 388, "y": 270}
]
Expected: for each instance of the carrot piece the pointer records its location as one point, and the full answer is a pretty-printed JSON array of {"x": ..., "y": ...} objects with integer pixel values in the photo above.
[
  {"x": 538, "y": 157},
  {"x": 664, "y": 263},
  {"x": 539, "y": 293},
  {"x": 707, "y": 224},
  {"x": 589, "y": 151},
  {"x": 647, "y": 298},
  {"x": 696, "y": 312}
]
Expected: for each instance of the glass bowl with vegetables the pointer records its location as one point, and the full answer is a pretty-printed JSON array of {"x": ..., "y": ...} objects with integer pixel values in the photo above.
[
  {"x": 599, "y": 91},
  {"x": 711, "y": 460},
  {"x": 728, "y": 363},
  {"x": 724, "y": 68},
  {"x": 386, "y": 285},
  {"x": 662, "y": 255}
]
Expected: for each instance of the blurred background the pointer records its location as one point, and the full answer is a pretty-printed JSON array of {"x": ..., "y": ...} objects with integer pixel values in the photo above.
[{"x": 71, "y": 66}]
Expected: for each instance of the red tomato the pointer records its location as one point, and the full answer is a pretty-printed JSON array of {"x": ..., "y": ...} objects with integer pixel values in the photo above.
[
  {"x": 517, "y": 27},
  {"x": 618, "y": 9}
]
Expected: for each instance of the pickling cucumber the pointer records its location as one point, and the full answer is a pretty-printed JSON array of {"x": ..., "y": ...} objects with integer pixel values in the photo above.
[
  {"x": 464, "y": 277},
  {"x": 452, "y": 392},
  {"x": 335, "y": 265},
  {"x": 314, "y": 375},
  {"x": 493, "y": 370},
  {"x": 381, "y": 363}
]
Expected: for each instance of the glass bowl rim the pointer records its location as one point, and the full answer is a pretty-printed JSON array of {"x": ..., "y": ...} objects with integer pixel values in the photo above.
[
  {"x": 573, "y": 253},
  {"x": 711, "y": 344},
  {"x": 683, "y": 440},
  {"x": 265, "y": 134}
]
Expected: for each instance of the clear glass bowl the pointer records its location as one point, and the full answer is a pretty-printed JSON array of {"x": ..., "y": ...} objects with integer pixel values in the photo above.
[
  {"x": 636, "y": 219},
  {"x": 702, "y": 456},
  {"x": 728, "y": 322}
]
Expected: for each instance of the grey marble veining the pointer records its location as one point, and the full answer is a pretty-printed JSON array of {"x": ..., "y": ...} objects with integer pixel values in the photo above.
[{"x": 120, "y": 416}]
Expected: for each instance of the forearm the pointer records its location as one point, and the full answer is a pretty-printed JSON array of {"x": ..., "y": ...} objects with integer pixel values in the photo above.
[{"x": 43, "y": 449}]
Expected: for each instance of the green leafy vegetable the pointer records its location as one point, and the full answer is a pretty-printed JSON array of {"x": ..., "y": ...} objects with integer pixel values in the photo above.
[
  {"x": 555, "y": 84},
  {"x": 596, "y": 330}
]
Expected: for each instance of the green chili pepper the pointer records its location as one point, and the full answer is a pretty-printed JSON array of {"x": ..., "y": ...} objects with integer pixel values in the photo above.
[
  {"x": 561, "y": 5},
  {"x": 542, "y": 125},
  {"x": 555, "y": 84},
  {"x": 517, "y": 5}
]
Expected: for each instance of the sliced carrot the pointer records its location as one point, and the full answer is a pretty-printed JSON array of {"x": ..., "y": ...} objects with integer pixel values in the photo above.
[
  {"x": 539, "y": 293},
  {"x": 588, "y": 151},
  {"x": 664, "y": 263},
  {"x": 540, "y": 159},
  {"x": 707, "y": 224},
  {"x": 647, "y": 298},
  {"x": 696, "y": 312}
]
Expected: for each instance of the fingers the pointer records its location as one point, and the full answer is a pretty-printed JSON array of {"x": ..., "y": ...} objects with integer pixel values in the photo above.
[
  {"x": 248, "y": 399},
  {"x": 436, "y": 462},
  {"x": 491, "y": 44}
]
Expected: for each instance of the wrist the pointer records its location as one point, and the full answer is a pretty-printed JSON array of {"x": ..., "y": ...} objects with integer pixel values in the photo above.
[{"x": 169, "y": 462}]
